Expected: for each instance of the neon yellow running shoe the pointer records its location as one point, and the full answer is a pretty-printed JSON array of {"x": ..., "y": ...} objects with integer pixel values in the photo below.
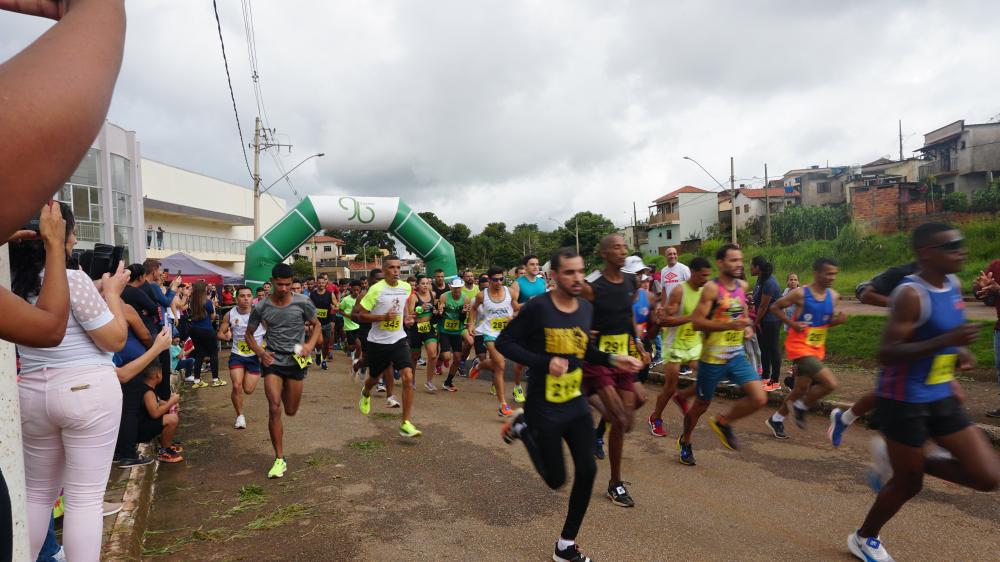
[
  {"x": 277, "y": 469},
  {"x": 365, "y": 404},
  {"x": 518, "y": 395},
  {"x": 407, "y": 429}
]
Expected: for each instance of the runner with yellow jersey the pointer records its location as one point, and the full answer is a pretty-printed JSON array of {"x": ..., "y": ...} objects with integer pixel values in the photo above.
[
  {"x": 805, "y": 345},
  {"x": 244, "y": 366},
  {"x": 423, "y": 333}
]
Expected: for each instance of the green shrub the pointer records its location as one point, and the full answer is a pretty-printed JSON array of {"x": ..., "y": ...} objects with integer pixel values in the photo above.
[
  {"x": 987, "y": 200},
  {"x": 956, "y": 202}
]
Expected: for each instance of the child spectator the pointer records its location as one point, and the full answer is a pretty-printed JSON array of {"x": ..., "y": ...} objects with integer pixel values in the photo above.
[
  {"x": 159, "y": 417},
  {"x": 792, "y": 283},
  {"x": 179, "y": 359}
]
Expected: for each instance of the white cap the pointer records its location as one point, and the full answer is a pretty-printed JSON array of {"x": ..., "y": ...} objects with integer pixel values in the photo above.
[
  {"x": 633, "y": 264},
  {"x": 457, "y": 282}
]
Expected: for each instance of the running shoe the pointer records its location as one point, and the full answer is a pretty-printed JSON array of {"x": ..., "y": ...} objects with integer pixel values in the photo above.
[
  {"x": 504, "y": 410},
  {"x": 511, "y": 430},
  {"x": 683, "y": 403},
  {"x": 599, "y": 448},
  {"x": 437, "y": 370},
  {"x": 725, "y": 433},
  {"x": 776, "y": 427},
  {"x": 519, "y": 394},
  {"x": 365, "y": 404},
  {"x": 686, "y": 453},
  {"x": 493, "y": 390},
  {"x": 868, "y": 549},
  {"x": 800, "y": 416},
  {"x": 392, "y": 402},
  {"x": 421, "y": 362},
  {"x": 379, "y": 387},
  {"x": 656, "y": 427},
  {"x": 836, "y": 430},
  {"x": 167, "y": 455},
  {"x": 395, "y": 374},
  {"x": 241, "y": 422},
  {"x": 199, "y": 384},
  {"x": 323, "y": 365},
  {"x": 569, "y": 554},
  {"x": 336, "y": 347},
  {"x": 407, "y": 429},
  {"x": 449, "y": 387},
  {"x": 686, "y": 369},
  {"x": 619, "y": 495},
  {"x": 219, "y": 382},
  {"x": 190, "y": 379},
  {"x": 141, "y": 460},
  {"x": 772, "y": 386},
  {"x": 474, "y": 371},
  {"x": 880, "y": 471},
  {"x": 993, "y": 413},
  {"x": 277, "y": 469},
  {"x": 429, "y": 387},
  {"x": 176, "y": 447}
]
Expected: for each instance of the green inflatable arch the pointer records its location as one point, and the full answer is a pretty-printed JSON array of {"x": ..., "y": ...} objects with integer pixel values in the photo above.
[{"x": 319, "y": 212}]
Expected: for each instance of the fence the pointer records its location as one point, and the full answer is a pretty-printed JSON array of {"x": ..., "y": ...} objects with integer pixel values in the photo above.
[{"x": 195, "y": 243}]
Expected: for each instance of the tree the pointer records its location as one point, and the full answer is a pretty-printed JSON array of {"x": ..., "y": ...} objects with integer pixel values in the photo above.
[
  {"x": 369, "y": 254},
  {"x": 592, "y": 227},
  {"x": 437, "y": 224},
  {"x": 302, "y": 267},
  {"x": 355, "y": 240}
]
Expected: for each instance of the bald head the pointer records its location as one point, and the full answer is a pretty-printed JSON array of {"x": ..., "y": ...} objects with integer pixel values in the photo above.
[{"x": 610, "y": 241}]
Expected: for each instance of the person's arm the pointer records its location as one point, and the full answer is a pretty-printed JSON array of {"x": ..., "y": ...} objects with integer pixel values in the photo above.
[
  {"x": 896, "y": 346},
  {"x": 313, "y": 325},
  {"x": 515, "y": 291},
  {"x": 49, "y": 315},
  {"x": 792, "y": 298},
  {"x": 763, "y": 305},
  {"x": 266, "y": 357},
  {"x": 673, "y": 308},
  {"x": 473, "y": 310},
  {"x": 137, "y": 326},
  {"x": 156, "y": 408},
  {"x": 55, "y": 95},
  {"x": 129, "y": 370},
  {"x": 367, "y": 304},
  {"x": 700, "y": 315},
  {"x": 513, "y": 341},
  {"x": 838, "y": 317},
  {"x": 225, "y": 332}
]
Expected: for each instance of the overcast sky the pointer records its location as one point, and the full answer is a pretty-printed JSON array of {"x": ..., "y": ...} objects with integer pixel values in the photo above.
[{"x": 522, "y": 111}]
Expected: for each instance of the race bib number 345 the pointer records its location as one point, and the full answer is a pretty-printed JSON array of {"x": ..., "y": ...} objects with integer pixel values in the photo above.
[
  {"x": 563, "y": 389},
  {"x": 391, "y": 325}
]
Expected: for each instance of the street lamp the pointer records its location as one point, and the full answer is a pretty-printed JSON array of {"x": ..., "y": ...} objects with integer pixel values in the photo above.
[
  {"x": 576, "y": 222},
  {"x": 732, "y": 192},
  {"x": 257, "y": 194}
]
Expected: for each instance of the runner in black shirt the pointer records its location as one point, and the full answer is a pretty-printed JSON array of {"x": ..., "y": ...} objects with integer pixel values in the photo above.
[
  {"x": 325, "y": 310},
  {"x": 551, "y": 336}
]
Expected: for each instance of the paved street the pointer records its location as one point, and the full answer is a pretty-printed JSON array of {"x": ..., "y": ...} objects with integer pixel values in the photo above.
[{"x": 357, "y": 491}]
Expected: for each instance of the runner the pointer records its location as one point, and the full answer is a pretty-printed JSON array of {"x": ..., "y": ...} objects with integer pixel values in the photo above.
[
  {"x": 244, "y": 366},
  {"x": 452, "y": 328},
  {"x": 352, "y": 345},
  {"x": 805, "y": 343},
  {"x": 924, "y": 342},
  {"x": 551, "y": 336},
  {"x": 284, "y": 315},
  {"x": 525, "y": 287},
  {"x": 722, "y": 314},
  {"x": 682, "y": 341},
  {"x": 423, "y": 333},
  {"x": 491, "y": 311},
  {"x": 384, "y": 306},
  {"x": 386, "y": 382},
  {"x": 439, "y": 287},
  {"x": 672, "y": 275},
  {"x": 326, "y": 306},
  {"x": 612, "y": 295},
  {"x": 339, "y": 332}
]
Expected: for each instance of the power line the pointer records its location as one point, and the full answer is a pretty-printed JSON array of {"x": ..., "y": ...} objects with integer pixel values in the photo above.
[{"x": 229, "y": 81}]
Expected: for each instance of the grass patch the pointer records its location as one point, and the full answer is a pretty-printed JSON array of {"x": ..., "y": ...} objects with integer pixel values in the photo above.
[
  {"x": 366, "y": 445},
  {"x": 198, "y": 535},
  {"x": 279, "y": 517},
  {"x": 385, "y": 416},
  {"x": 251, "y": 496},
  {"x": 193, "y": 443}
]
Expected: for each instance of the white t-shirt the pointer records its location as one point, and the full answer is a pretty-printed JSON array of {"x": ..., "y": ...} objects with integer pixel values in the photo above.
[
  {"x": 671, "y": 276},
  {"x": 380, "y": 299},
  {"x": 88, "y": 311}
]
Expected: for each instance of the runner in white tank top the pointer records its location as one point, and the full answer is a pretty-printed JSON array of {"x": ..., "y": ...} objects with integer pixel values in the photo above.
[{"x": 244, "y": 365}]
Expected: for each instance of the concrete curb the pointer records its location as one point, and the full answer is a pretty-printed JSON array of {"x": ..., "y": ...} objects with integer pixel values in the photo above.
[
  {"x": 125, "y": 542},
  {"x": 825, "y": 406}
]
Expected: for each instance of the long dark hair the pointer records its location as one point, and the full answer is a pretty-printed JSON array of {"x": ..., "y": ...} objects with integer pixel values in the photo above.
[
  {"x": 27, "y": 260},
  {"x": 765, "y": 267},
  {"x": 199, "y": 294}
]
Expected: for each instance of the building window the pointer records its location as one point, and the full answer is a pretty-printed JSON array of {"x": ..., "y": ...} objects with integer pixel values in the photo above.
[
  {"x": 327, "y": 248},
  {"x": 746, "y": 207},
  {"x": 737, "y": 210},
  {"x": 83, "y": 194},
  {"x": 949, "y": 188},
  {"x": 823, "y": 187},
  {"x": 670, "y": 234}
]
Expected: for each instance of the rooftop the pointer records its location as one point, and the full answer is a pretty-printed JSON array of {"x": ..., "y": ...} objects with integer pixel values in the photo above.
[
  {"x": 676, "y": 192},
  {"x": 322, "y": 239}
]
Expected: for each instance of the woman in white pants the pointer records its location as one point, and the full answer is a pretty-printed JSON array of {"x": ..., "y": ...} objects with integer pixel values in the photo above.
[{"x": 70, "y": 400}]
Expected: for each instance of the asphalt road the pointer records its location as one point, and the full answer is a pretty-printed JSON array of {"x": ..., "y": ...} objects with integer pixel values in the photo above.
[{"x": 357, "y": 491}]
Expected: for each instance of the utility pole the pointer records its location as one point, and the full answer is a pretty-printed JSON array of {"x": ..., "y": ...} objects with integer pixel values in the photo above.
[
  {"x": 900, "y": 140},
  {"x": 767, "y": 206},
  {"x": 257, "y": 146},
  {"x": 577, "y": 220},
  {"x": 635, "y": 227},
  {"x": 732, "y": 195}
]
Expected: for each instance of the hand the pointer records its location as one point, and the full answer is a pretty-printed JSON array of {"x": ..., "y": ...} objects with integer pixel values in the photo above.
[
  {"x": 409, "y": 320},
  {"x": 306, "y": 350},
  {"x": 52, "y": 226},
  {"x": 558, "y": 366},
  {"x": 114, "y": 284},
  {"x": 626, "y": 363},
  {"x": 966, "y": 360},
  {"x": 174, "y": 399},
  {"x": 800, "y": 326},
  {"x": 52, "y": 9},
  {"x": 23, "y": 235},
  {"x": 748, "y": 332},
  {"x": 391, "y": 315},
  {"x": 163, "y": 339},
  {"x": 646, "y": 358},
  {"x": 984, "y": 279},
  {"x": 175, "y": 283},
  {"x": 267, "y": 359},
  {"x": 963, "y": 335},
  {"x": 839, "y": 318},
  {"x": 739, "y": 323}
]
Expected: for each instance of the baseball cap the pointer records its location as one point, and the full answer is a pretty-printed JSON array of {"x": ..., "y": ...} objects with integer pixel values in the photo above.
[
  {"x": 457, "y": 282},
  {"x": 633, "y": 264}
]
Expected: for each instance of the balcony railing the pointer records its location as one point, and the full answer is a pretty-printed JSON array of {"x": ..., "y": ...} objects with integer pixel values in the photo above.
[
  {"x": 940, "y": 166},
  {"x": 664, "y": 218},
  {"x": 194, "y": 243}
]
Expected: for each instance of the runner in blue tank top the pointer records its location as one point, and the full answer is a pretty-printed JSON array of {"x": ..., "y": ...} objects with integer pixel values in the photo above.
[
  {"x": 522, "y": 290},
  {"x": 923, "y": 344}
]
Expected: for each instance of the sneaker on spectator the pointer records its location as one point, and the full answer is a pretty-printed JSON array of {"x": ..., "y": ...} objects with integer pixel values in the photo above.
[
  {"x": 111, "y": 508},
  {"x": 141, "y": 460},
  {"x": 168, "y": 455},
  {"x": 190, "y": 378}
]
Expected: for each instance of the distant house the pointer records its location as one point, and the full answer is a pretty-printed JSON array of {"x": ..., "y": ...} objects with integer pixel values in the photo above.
[
  {"x": 752, "y": 203},
  {"x": 962, "y": 157},
  {"x": 882, "y": 171},
  {"x": 326, "y": 254},
  {"x": 817, "y": 186},
  {"x": 683, "y": 214}
]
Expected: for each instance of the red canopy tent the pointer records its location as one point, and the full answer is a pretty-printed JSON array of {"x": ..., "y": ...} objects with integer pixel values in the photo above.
[{"x": 193, "y": 269}]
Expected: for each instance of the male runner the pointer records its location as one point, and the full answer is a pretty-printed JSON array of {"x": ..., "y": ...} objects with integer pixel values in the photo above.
[
  {"x": 423, "y": 334},
  {"x": 326, "y": 307},
  {"x": 244, "y": 366},
  {"x": 284, "y": 315},
  {"x": 551, "y": 336},
  {"x": 491, "y": 311},
  {"x": 682, "y": 341},
  {"x": 439, "y": 287},
  {"x": 722, "y": 314},
  {"x": 469, "y": 291},
  {"x": 451, "y": 329},
  {"x": 612, "y": 294},
  {"x": 524, "y": 288},
  {"x": 923, "y": 343},
  {"x": 805, "y": 345},
  {"x": 386, "y": 383},
  {"x": 297, "y": 286},
  {"x": 352, "y": 345},
  {"x": 384, "y": 305},
  {"x": 672, "y": 275}
]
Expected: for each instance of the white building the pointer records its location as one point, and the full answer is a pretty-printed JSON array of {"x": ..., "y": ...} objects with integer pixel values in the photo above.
[
  {"x": 199, "y": 215},
  {"x": 683, "y": 214},
  {"x": 751, "y": 203}
]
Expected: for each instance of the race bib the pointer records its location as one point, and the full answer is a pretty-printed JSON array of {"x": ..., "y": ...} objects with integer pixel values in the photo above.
[
  {"x": 563, "y": 389},
  {"x": 391, "y": 325},
  {"x": 732, "y": 337},
  {"x": 243, "y": 348},
  {"x": 451, "y": 325},
  {"x": 424, "y": 328},
  {"x": 816, "y": 337},
  {"x": 687, "y": 334},
  {"x": 322, "y": 313},
  {"x": 942, "y": 369},
  {"x": 302, "y": 362},
  {"x": 617, "y": 345},
  {"x": 498, "y": 324}
]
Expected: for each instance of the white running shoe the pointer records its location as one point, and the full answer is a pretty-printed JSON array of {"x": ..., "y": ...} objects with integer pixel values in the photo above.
[
  {"x": 189, "y": 379},
  {"x": 880, "y": 471},
  {"x": 241, "y": 422},
  {"x": 869, "y": 550},
  {"x": 430, "y": 386},
  {"x": 392, "y": 402},
  {"x": 379, "y": 387}
]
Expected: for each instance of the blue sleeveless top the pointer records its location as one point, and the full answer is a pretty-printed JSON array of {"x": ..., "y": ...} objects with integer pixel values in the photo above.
[
  {"x": 816, "y": 313},
  {"x": 530, "y": 289},
  {"x": 641, "y": 307}
]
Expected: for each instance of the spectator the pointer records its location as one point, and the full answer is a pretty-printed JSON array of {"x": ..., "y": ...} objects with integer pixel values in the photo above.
[
  {"x": 163, "y": 299},
  {"x": 70, "y": 404},
  {"x": 203, "y": 335},
  {"x": 159, "y": 418},
  {"x": 791, "y": 283},
  {"x": 227, "y": 296},
  {"x": 179, "y": 360},
  {"x": 137, "y": 343},
  {"x": 149, "y": 236},
  {"x": 987, "y": 289},
  {"x": 766, "y": 326},
  {"x": 159, "y": 237}
]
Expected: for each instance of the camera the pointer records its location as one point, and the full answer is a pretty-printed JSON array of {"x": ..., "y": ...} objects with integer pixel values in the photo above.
[{"x": 102, "y": 259}]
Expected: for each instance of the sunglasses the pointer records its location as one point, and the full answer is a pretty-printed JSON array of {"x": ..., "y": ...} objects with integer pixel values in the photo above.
[
  {"x": 496, "y": 279},
  {"x": 953, "y": 246}
]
